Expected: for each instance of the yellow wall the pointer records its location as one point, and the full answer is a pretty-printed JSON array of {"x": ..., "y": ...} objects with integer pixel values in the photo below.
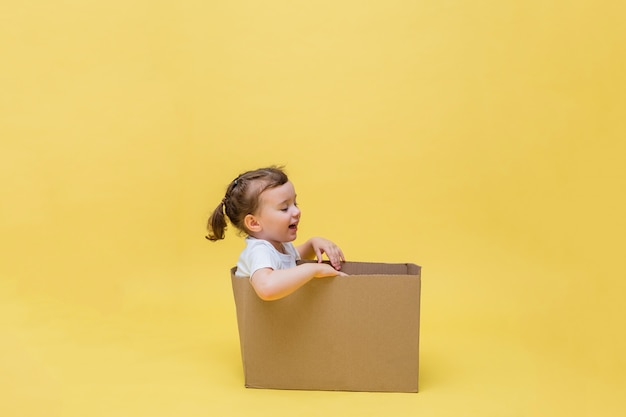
[{"x": 483, "y": 140}]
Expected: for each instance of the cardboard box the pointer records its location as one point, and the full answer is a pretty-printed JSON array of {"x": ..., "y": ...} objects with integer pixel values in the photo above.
[{"x": 355, "y": 333}]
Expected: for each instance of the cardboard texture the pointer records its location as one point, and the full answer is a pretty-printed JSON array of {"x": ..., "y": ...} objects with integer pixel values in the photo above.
[{"x": 355, "y": 333}]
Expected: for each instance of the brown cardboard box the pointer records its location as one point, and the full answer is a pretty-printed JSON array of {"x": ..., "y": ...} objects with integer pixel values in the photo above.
[{"x": 355, "y": 333}]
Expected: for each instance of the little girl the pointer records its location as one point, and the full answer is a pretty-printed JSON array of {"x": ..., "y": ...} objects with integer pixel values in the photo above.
[{"x": 262, "y": 204}]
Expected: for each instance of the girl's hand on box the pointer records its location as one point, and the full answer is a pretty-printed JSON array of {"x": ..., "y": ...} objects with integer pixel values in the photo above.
[
  {"x": 325, "y": 270},
  {"x": 332, "y": 251}
]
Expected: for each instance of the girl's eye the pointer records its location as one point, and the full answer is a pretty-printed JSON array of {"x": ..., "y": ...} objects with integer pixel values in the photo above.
[{"x": 284, "y": 209}]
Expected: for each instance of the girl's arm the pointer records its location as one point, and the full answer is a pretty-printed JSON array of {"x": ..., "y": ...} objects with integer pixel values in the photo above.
[
  {"x": 272, "y": 284},
  {"x": 316, "y": 246}
]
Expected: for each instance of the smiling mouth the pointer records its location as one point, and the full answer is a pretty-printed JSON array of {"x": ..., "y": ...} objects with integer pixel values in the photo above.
[{"x": 293, "y": 226}]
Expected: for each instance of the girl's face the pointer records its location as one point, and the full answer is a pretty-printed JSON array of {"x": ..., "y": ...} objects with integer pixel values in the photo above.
[{"x": 278, "y": 215}]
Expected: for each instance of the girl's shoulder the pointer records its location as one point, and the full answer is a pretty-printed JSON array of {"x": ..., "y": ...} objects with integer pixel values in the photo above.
[{"x": 254, "y": 243}]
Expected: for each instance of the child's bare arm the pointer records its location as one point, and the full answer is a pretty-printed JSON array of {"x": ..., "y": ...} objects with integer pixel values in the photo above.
[
  {"x": 271, "y": 284},
  {"x": 316, "y": 246}
]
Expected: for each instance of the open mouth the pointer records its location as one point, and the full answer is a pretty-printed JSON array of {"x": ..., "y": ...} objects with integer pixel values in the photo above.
[{"x": 293, "y": 226}]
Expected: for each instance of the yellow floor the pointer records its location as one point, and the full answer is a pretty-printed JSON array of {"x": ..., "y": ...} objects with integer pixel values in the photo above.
[
  {"x": 482, "y": 140},
  {"x": 164, "y": 343}
]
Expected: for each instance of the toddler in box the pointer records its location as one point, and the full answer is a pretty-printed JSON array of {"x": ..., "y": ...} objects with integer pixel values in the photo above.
[{"x": 262, "y": 204}]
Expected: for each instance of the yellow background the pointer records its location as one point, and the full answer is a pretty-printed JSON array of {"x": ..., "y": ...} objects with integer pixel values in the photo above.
[{"x": 483, "y": 140}]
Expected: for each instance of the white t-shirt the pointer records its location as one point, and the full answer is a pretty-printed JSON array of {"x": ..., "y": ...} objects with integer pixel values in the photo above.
[{"x": 260, "y": 253}]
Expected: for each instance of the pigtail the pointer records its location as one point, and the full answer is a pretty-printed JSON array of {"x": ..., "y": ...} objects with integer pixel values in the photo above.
[{"x": 216, "y": 225}]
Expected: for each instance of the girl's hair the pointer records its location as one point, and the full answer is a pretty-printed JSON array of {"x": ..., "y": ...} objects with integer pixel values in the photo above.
[{"x": 242, "y": 198}]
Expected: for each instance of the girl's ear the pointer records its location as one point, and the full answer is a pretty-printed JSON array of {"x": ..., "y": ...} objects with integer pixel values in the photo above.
[{"x": 252, "y": 223}]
